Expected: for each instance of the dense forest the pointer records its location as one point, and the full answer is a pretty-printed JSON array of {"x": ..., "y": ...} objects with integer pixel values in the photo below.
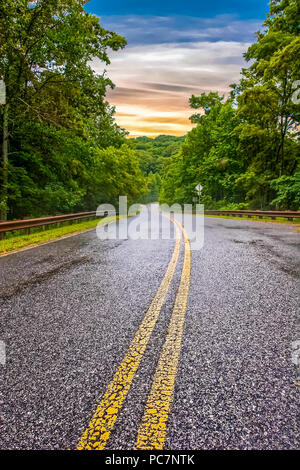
[
  {"x": 62, "y": 151},
  {"x": 152, "y": 155},
  {"x": 61, "y": 148},
  {"x": 245, "y": 149}
]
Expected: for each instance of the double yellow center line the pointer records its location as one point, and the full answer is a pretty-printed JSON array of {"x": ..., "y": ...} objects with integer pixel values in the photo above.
[{"x": 152, "y": 431}]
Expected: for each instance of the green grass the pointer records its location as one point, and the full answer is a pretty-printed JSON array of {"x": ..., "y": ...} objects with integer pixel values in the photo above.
[{"x": 16, "y": 241}]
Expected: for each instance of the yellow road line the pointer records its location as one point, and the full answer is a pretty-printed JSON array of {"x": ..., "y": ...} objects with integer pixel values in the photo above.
[
  {"x": 97, "y": 434},
  {"x": 152, "y": 431}
]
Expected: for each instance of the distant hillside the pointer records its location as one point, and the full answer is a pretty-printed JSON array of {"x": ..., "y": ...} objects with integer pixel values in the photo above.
[{"x": 152, "y": 151}]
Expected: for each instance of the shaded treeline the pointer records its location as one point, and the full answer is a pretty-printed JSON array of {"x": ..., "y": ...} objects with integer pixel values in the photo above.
[
  {"x": 245, "y": 150},
  {"x": 61, "y": 149}
]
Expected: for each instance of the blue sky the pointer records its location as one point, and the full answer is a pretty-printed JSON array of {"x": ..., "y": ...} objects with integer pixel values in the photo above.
[
  {"x": 248, "y": 9},
  {"x": 174, "y": 49}
]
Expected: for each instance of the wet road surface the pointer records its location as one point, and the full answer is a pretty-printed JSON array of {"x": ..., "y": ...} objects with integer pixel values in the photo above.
[{"x": 71, "y": 310}]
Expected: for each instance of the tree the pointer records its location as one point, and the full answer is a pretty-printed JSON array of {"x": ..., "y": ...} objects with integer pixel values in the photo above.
[
  {"x": 153, "y": 151},
  {"x": 268, "y": 85},
  {"x": 208, "y": 156},
  {"x": 117, "y": 173},
  {"x": 45, "y": 50},
  {"x": 245, "y": 151}
]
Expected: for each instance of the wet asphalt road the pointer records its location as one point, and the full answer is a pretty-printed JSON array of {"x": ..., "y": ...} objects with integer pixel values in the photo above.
[{"x": 70, "y": 309}]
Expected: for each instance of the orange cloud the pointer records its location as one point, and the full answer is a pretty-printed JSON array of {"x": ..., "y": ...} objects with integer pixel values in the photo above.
[
  {"x": 154, "y": 82},
  {"x": 150, "y": 111},
  {"x": 166, "y": 120}
]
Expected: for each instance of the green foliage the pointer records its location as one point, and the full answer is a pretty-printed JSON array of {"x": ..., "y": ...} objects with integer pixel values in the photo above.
[
  {"x": 153, "y": 188},
  {"x": 205, "y": 102},
  {"x": 245, "y": 151},
  {"x": 287, "y": 189},
  {"x": 208, "y": 156},
  {"x": 153, "y": 152},
  {"x": 55, "y": 171},
  {"x": 66, "y": 153},
  {"x": 117, "y": 172}
]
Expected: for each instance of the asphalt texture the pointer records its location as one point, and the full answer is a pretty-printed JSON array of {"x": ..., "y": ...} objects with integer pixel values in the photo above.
[{"x": 70, "y": 309}]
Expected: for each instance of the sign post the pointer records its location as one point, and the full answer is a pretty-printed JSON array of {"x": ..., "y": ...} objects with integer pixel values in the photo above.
[{"x": 199, "y": 190}]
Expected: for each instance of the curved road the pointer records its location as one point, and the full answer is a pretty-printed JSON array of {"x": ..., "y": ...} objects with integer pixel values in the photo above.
[{"x": 124, "y": 344}]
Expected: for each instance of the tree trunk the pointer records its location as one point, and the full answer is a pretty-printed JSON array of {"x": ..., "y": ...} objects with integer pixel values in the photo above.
[{"x": 4, "y": 189}]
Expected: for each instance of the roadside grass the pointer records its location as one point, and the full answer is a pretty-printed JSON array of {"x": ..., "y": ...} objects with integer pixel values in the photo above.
[
  {"x": 279, "y": 220},
  {"x": 15, "y": 241}
]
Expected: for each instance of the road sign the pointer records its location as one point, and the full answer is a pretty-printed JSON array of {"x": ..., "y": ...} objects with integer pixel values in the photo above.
[{"x": 199, "y": 189}]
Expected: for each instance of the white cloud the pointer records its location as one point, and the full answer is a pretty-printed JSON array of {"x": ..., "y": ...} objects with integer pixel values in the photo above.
[
  {"x": 159, "y": 78},
  {"x": 204, "y": 65}
]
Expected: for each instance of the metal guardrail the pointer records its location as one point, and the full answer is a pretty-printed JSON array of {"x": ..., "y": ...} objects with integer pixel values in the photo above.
[
  {"x": 290, "y": 215},
  {"x": 27, "y": 224}
]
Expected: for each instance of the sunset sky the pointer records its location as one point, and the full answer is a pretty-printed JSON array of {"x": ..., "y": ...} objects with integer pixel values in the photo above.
[{"x": 175, "y": 49}]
